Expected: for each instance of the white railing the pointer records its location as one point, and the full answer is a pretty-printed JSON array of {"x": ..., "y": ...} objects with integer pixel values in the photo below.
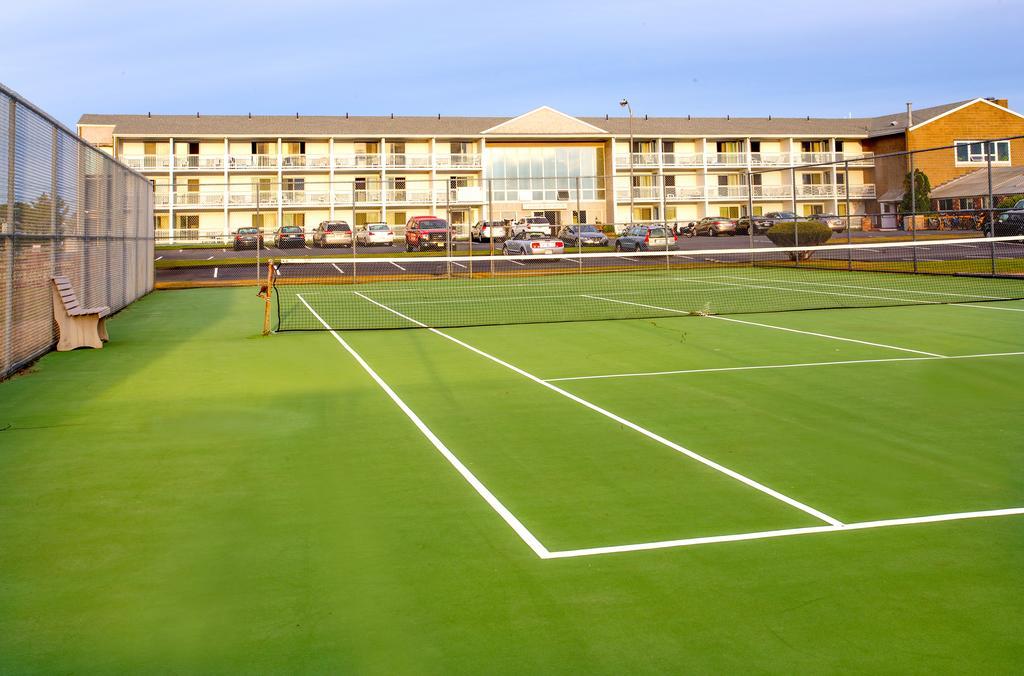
[
  {"x": 304, "y": 198},
  {"x": 458, "y": 161},
  {"x": 161, "y": 199},
  {"x": 815, "y": 158},
  {"x": 727, "y": 159},
  {"x": 305, "y": 162},
  {"x": 859, "y": 191},
  {"x": 683, "y": 159},
  {"x": 769, "y": 159},
  {"x": 199, "y": 199},
  {"x": 857, "y": 159},
  {"x": 726, "y": 191},
  {"x": 771, "y": 191},
  {"x": 684, "y": 192},
  {"x": 147, "y": 162},
  {"x": 639, "y": 160},
  {"x": 640, "y": 192},
  {"x": 408, "y": 160},
  {"x": 198, "y": 162},
  {"x": 357, "y": 161},
  {"x": 243, "y": 162}
]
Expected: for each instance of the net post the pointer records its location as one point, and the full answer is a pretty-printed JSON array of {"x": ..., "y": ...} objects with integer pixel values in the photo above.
[
  {"x": 913, "y": 207},
  {"x": 352, "y": 230},
  {"x": 991, "y": 220},
  {"x": 267, "y": 295},
  {"x": 448, "y": 217},
  {"x": 796, "y": 229},
  {"x": 490, "y": 216},
  {"x": 849, "y": 223}
]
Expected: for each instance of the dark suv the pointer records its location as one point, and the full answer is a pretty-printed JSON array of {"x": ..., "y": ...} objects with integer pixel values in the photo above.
[
  {"x": 1010, "y": 223},
  {"x": 422, "y": 232}
]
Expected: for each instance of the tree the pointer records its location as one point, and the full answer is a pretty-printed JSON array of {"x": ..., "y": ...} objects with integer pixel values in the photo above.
[
  {"x": 800, "y": 233},
  {"x": 922, "y": 193},
  {"x": 1009, "y": 201}
]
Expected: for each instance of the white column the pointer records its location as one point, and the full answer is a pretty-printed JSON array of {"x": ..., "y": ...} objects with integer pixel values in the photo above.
[
  {"x": 835, "y": 183},
  {"x": 661, "y": 178},
  {"x": 280, "y": 185},
  {"x": 485, "y": 208},
  {"x": 750, "y": 183},
  {"x": 383, "y": 184},
  {"x": 170, "y": 192},
  {"x": 613, "y": 181},
  {"x": 704, "y": 173},
  {"x": 433, "y": 176},
  {"x": 227, "y": 191},
  {"x": 330, "y": 176}
]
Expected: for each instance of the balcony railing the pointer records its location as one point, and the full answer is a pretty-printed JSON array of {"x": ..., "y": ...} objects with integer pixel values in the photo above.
[
  {"x": 305, "y": 162},
  {"x": 858, "y": 191},
  {"x": 857, "y": 159},
  {"x": 769, "y": 159},
  {"x": 198, "y": 162},
  {"x": 291, "y": 198},
  {"x": 684, "y": 192},
  {"x": 150, "y": 162},
  {"x": 357, "y": 161},
  {"x": 252, "y": 162},
  {"x": 199, "y": 199},
  {"x": 683, "y": 159},
  {"x": 727, "y": 159},
  {"x": 458, "y": 161},
  {"x": 640, "y": 192},
  {"x": 408, "y": 160},
  {"x": 639, "y": 160}
]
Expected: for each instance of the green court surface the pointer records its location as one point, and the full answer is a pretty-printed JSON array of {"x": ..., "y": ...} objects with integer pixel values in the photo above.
[{"x": 777, "y": 492}]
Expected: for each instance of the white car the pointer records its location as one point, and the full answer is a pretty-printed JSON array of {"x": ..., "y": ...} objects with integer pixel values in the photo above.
[
  {"x": 485, "y": 230},
  {"x": 374, "y": 234},
  {"x": 537, "y": 224},
  {"x": 527, "y": 243}
]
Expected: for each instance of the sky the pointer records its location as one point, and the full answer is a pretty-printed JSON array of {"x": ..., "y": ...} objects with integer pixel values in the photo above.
[{"x": 315, "y": 57}]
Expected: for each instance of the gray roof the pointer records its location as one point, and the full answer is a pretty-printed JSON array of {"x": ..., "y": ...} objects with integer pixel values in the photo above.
[
  {"x": 440, "y": 125},
  {"x": 1005, "y": 181}
]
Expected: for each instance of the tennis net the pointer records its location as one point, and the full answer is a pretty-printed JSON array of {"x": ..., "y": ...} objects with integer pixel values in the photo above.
[{"x": 364, "y": 292}]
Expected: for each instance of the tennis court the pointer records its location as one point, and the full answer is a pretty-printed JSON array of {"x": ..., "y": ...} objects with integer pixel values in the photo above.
[{"x": 822, "y": 490}]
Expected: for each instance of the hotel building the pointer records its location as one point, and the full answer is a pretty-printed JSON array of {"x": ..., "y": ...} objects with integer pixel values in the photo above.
[{"x": 214, "y": 174}]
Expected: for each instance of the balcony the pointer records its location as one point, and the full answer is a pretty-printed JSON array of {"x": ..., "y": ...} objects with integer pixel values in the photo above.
[
  {"x": 683, "y": 159},
  {"x": 857, "y": 159},
  {"x": 860, "y": 191},
  {"x": 726, "y": 159},
  {"x": 458, "y": 161},
  {"x": 199, "y": 199},
  {"x": 408, "y": 160},
  {"x": 305, "y": 162},
  {"x": 198, "y": 162},
  {"x": 148, "y": 162},
  {"x": 684, "y": 192},
  {"x": 304, "y": 198},
  {"x": 640, "y": 160},
  {"x": 357, "y": 161},
  {"x": 726, "y": 191},
  {"x": 769, "y": 159},
  {"x": 248, "y": 198},
  {"x": 640, "y": 192},
  {"x": 252, "y": 162}
]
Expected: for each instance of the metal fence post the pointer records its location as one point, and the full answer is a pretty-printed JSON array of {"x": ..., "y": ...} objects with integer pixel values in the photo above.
[
  {"x": 12, "y": 239},
  {"x": 913, "y": 207},
  {"x": 849, "y": 223},
  {"x": 796, "y": 229},
  {"x": 989, "y": 150},
  {"x": 750, "y": 215}
]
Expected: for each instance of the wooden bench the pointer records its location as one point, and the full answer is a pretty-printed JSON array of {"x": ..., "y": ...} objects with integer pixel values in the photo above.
[{"x": 79, "y": 326}]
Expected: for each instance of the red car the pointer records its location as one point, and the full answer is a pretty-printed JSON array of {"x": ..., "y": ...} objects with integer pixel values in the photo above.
[{"x": 422, "y": 232}]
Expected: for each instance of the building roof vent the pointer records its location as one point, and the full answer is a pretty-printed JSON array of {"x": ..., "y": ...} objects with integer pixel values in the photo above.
[
  {"x": 149, "y": 114},
  {"x": 197, "y": 113},
  {"x": 392, "y": 116}
]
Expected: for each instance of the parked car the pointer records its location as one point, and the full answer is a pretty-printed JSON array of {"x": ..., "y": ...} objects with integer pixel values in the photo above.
[
  {"x": 484, "y": 231},
  {"x": 780, "y": 216},
  {"x": 760, "y": 223},
  {"x": 715, "y": 226},
  {"x": 423, "y": 232},
  {"x": 332, "y": 233},
  {"x": 835, "y": 223},
  {"x": 587, "y": 235},
  {"x": 289, "y": 235},
  {"x": 526, "y": 243},
  {"x": 247, "y": 238},
  {"x": 1011, "y": 222},
  {"x": 376, "y": 234},
  {"x": 538, "y": 224},
  {"x": 645, "y": 238}
]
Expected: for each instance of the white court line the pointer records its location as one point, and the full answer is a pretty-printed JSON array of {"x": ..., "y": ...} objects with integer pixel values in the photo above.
[
  {"x": 782, "y": 366},
  {"x": 823, "y": 293},
  {"x": 459, "y": 264},
  {"x": 210, "y": 258},
  {"x": 771, "y": 326},
  {"x": 333, "y": 265},
  {"x": 869, "y": 288},
  {"x": 397, "y": 266},
  {"x": 991, "y": 307},
  {"x": 622, "y": 421},
  {"x": 158, "y": 258},
  {"x": 509, "y": 518},
  {"x": 863, "y": 525},
  {"x": 215, "y": 272},
  {"x": 632, "y": 260},
  {"x": 510, "y": 260}
]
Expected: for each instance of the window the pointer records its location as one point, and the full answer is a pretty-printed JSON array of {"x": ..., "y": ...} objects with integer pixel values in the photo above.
[
  {"x": 839, "y": 145},
  {"x": 458, "y": 148},
  {"x": 579, "y": 217},
  {"x": 946, "y": 205},
  {"x": 812, "y": 209},
  {"x": 262, "y": 221},
  {"x": 841, "y": 209},
  {"x": 729, "y": 212},
  {"x": 298, "y": 220},
  {"x": 294, "y": 148},
  {"x": 526, "y": 174},
  {"x": 973, "y": 152},
  {"x": 188, "y": 226},
  {"x": 397, "y": 217}
]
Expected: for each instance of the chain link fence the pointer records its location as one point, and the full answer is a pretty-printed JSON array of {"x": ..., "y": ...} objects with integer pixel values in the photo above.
[{"x": 65, "y": 209}]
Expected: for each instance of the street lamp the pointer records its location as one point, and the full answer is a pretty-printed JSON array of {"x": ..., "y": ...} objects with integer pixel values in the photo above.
[{"x": 625, "y": 104}]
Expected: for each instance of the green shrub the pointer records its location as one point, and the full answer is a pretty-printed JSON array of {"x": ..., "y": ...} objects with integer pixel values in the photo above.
[
  {"x": 1009, "y": 201},
  {"x": 801, "y": 233}
]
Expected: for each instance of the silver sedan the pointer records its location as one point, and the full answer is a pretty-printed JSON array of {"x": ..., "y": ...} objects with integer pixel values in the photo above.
[{"x": 528, "y": 243}]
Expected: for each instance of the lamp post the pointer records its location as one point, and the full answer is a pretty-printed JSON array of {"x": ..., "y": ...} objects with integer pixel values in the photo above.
[{"x": 625, "y": 104}]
